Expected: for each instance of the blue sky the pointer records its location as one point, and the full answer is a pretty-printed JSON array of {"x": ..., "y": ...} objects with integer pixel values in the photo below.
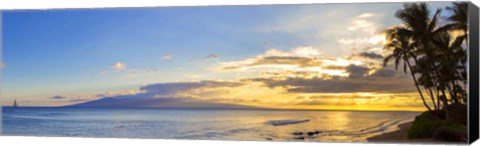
[{"x": 73, "y": 52}]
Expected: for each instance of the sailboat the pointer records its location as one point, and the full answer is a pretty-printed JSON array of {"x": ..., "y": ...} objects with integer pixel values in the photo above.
[{"x": 15, "y": 103}]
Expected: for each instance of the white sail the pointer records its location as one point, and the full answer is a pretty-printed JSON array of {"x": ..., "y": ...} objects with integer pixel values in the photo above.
[{"x": 15, "y": 103}]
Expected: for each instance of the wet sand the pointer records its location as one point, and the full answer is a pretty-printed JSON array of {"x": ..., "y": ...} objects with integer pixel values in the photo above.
[{"x": 398, "y": 135}]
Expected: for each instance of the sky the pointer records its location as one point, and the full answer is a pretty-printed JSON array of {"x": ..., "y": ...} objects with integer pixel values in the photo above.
[{"x": 319, "y": 56}]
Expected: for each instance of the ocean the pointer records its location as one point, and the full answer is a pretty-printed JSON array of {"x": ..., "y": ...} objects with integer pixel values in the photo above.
[{"x": 204, "y": 124}]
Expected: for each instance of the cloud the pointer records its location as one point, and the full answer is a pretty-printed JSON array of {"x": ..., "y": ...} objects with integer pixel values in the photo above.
[
  {"x": 212, "y": 56},
  {"x": 167, "y": 57},
  {"x": 74, "y": 99},
  {"x": 273, "y": 87},
  {"x": 343, "y": 85},
  {"x": 193, "y": 76},
  {"x": 171, "y": 89},
  {"x": 309, "y": 26},
  {"x": 58, "y": 97},
  {"x": 364, "y": 42},
  {"x": 117, "y": 93},
  {"x": 368, "y": 29},
  {"x": 362, "y": 23},
  {"x": 269, "y": 92},
  {"x": 119, "y": 66},
  {"x": 123, "y": 72},
  {"x": 308, "y": 62},
  {"x": 307, "y": 51},
  {"x": 365, "y": 15},
  {"x": 300, "y": 59},
  {"x": 357, "y": 71},
  {"x": 269, "y": 60},
  {"x": 371, "y": 55},
  {"x": 385, "y": 73}
]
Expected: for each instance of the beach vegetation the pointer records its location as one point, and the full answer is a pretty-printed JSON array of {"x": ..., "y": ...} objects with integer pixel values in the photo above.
[{"x": 424, "y": 126}]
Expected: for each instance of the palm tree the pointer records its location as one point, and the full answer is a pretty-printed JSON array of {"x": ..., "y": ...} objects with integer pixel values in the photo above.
[
  {"x": 459, "y": 17},
  {"x": 402, "y": 51},
  {"x": 447, "y": 64},
  {"x": 452, "y": 58},
  {"x": 459, "y": 20},
  {"x": 435, "y": 58},
  {"x": 427, "y": 80},
  {"x": 421, "y": 29}
]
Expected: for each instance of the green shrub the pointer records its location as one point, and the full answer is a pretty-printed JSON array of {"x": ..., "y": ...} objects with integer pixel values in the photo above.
[
  {"x": 427, "y": 125},
  {"x": 424, "y": 126},
  {"x": 451, "y": 132}
]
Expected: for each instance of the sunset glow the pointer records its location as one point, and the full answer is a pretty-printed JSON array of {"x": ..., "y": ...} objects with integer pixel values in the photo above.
[{"x": 285, "y": 57}]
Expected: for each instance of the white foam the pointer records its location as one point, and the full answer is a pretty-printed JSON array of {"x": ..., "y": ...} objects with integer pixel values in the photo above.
[{"x": 287, "y": 122}]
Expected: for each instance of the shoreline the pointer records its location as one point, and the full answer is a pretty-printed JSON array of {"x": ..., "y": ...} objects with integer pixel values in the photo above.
[
  {"x": 400, "y": 136},
  {"x": 394, "y": 136}
]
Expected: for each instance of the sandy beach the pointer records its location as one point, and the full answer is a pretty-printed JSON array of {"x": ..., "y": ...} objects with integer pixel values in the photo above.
[{"x": 398, "y": 135}]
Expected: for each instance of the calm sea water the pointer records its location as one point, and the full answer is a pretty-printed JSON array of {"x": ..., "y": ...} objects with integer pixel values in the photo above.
[{"x": 332, "y": 126}]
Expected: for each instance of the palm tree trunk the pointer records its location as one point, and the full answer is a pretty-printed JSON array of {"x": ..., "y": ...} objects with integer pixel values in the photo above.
[
  {"x": 429, "y": 78},
  {"x": 451, "y": 90},
  {"x": 444, "y": 95},
  {"x": 430, "y": 93},
  {"x": 416, "y": 85},
  {"x": 442, "y": 85},
  {"x": 454, "y": 91},
  {"x": 439, "y": 104}
]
